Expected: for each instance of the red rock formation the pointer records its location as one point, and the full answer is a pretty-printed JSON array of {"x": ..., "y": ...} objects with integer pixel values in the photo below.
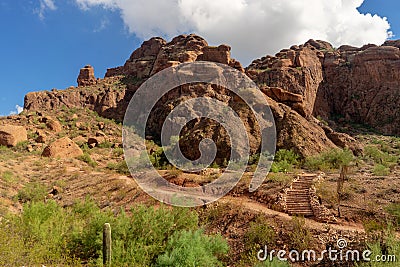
[
  {"x": 62, "y": 148},
  {"x": 11, "y": 135},
  {"x": 86, "y": 76},
  {"x": 359, "y": 84}
]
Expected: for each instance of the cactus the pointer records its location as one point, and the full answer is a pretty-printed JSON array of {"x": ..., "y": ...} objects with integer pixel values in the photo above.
[{"x": 107, "y": 245}]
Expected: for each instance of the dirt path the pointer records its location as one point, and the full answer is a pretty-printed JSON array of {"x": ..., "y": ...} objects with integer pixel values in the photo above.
[{"x": 258, "y": 207}]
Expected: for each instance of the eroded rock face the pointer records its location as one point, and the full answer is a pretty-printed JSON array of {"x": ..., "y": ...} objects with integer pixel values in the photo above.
[
  {"x": 359, "y": 84},
  {"x": 109, "y": 98},
  {"x": 11, "y": 135},
  {"x": 297, "y": 70},
  {"x": 86, "y": 76},
  {"x": 156, "y": 54},
  {"x": 363, "y": 86},
  {"x": 63, "y": 148}
]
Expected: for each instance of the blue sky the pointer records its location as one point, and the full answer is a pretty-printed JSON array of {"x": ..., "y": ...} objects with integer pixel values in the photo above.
[{"x": 44, "y": 43}]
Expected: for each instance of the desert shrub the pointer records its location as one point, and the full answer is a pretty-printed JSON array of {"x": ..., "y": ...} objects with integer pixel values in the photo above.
[
  {"x": 141, "y": 237},
  {"x": 394, "y": 210},
  {"x": 284, "y": 161},
  {"x": 85, "y": 148},
  {"x": 300, "y": 238},
  {"x": 380, "y": 157},
  {"x": 332, "y": 159},
  {"x": 105, "y": 144},
  {"x": 35, "y": 237},
  {"x": 381, "y": 170},
  {"x": 193, "y": 248},
  {"x": 259, "y": 234},
  {"x": 280, "y": 178},
  {"x": 21, "y": 146},
  {"x": 7, "y": 176},
  {"x": 86, "y": 158},
  {"x": 371, "y": 226},
  {"x": 118, "y": 151},
  {"x": 388, "y": 251},
  {"x": 119, "y": 167},
  {"x": 32, "y": 192},
  {"x": 158, "y": 158},
  {"x": 48, "y": 234}
]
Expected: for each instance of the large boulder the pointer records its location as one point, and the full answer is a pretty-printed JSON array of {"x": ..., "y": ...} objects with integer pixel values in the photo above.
[
  {"x": 11, "y": 135},
  {"x": 62, "y": 148}
]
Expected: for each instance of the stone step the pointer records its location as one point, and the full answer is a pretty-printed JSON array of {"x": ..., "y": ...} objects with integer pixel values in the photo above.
[
  {"x": 297, "y": 203},
  {"x": 298, "y": 191},
  {"x": 297, "y": 200},
  {"x": 305, "y": 213},
  {"x": 300, "y": 187},
  {"x": 299, "y": 210},
  {"x": 297, "y": 194}
]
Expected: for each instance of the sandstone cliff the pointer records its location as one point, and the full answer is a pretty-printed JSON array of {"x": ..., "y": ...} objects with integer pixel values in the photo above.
[
  {"x": 360, "y": 85},
  {"x": 314, "y": 79}
]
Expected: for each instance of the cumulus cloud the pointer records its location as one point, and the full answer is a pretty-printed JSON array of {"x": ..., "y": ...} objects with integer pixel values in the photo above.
[
  {"x": 252, "y": 27},
  {"x": 44, "y": 5},
  {"x": 18, "y": 110}
]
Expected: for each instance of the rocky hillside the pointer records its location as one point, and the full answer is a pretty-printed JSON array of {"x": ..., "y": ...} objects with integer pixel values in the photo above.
[{"x": 301, "y": 84}]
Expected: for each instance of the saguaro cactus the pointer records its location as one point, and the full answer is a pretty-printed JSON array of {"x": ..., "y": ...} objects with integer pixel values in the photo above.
[{"x": 107, "y": 245}]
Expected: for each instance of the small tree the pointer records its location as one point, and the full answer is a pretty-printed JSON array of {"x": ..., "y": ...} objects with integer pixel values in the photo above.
[{"x": 342, "y": 159}]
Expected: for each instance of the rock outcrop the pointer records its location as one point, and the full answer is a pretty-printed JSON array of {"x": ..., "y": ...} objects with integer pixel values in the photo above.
[
  {"x": 86, "y": 76},
  {"x": 109, "y": 98},
  {"x": 62, "y": 148},
  {"x": 156, "y": 54},
  {"x": 360, "y": 85},
  {"x": 300, "y": 83},
  {"x": 11, "y": 135}
]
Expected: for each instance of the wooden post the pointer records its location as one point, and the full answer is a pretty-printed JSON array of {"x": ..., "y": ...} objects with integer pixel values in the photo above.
[
  {"x": 343, "y": 176},
  {"x": 107, "y": 245}
]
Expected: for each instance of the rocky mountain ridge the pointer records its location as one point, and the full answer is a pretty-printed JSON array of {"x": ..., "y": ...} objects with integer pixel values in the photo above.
[{"x": 301, "y": 83}]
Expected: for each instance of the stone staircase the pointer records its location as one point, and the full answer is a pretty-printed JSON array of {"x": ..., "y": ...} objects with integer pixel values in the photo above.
[{"x": 298, "y": 196}]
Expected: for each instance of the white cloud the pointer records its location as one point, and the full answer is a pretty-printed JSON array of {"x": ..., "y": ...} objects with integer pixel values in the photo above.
[
  {"x": 43, "y": 6},
  {"x": 252, "y": 27},
  {"x": 18, "y": 110}
]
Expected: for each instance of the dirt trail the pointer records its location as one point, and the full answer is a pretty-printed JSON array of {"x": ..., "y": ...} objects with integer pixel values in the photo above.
[{"x": 258, "y": 207}]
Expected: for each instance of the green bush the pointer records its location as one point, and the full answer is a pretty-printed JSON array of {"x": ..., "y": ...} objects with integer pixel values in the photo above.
[
  {"x": 86, "y": 158},
  {"x": 394, "y": 209},
  {"x": 280, "y": 178},
  {"x": 32, "y": 192},
  {"x": 106, "y": 144},
  {"x": 259, "y": 234},
  {"x": 188, "y": 248},
  {"x": 8, "y": 177},
  {"x": 48, "y": 234},
  {"x": 284, "y": 161},
  {"x": 381, "y": 170},
  {"x": 300, "y": 238},
  {"x": 380, "y": 157},
  {"x": 119, "y": 167},
  {"x": 389, "y": 247},
  {"x": 332, "y": 159}
]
